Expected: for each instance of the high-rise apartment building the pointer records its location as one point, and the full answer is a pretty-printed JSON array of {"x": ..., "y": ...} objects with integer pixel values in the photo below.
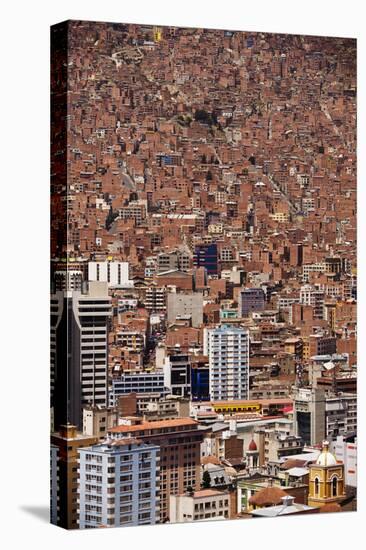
[
  {"x": 180, "y": 442},
  {"x": 79, "y": 351},
  {"x": 118, "y": 484},
  {"x": 227, "y": 349}
]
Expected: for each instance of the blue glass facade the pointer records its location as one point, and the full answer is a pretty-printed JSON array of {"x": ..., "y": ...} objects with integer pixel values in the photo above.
[
  {"x": 200, "y": 384},
  {"x": 205, "y": 255}
]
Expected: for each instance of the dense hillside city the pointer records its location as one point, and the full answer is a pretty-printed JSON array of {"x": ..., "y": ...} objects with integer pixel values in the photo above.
[{"x": 203, "y": 275}]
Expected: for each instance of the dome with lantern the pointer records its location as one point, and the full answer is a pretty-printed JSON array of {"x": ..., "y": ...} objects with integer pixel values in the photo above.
[{"x": 326, "y": 458}]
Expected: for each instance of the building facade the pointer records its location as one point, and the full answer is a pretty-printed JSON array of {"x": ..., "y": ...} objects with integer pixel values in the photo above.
[
  {"x": 199, "y": 505},
  {"x": 118, "y": 484},
  {"x": 228, "y": 354},
  {"x": 251, "y": 299},
  {"x": 179, "y": 441},
  {"x": 206, "y": 255},
  {"x": 140, "y": 382},
  {"x": 185, "y": 306},
  {"x": 79, "y": 351},
  {"x": 116, "y": 274},
  {"x": 309, "y": 414}
]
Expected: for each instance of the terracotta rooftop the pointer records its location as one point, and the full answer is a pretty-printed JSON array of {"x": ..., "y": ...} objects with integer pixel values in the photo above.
[
  {"x": 269, "y": 496},
  {"x": 210, "y": 459},
  {"x": 293, "y": 463}
]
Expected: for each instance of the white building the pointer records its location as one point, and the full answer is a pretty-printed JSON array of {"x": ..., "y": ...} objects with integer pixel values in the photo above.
[
  {"x": 98, "y": 420},
  {"x": 346, "y": 452},
  {"x": 116, "y": 274},
  {"x": 199, "y": 505},
  {"x": 118, "y": 484},
  {"x": 227, "y": 349}
]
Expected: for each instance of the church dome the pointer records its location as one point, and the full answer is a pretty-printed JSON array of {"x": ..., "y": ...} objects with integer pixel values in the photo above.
[
  {"x": 252, "y": 446},
  {"x": 326, "y": 458}
]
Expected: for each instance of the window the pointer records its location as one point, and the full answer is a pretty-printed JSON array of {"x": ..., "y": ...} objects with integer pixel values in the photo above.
[
  {"x": 316, "y": 486},
  {"x": 334, "y": 486}
]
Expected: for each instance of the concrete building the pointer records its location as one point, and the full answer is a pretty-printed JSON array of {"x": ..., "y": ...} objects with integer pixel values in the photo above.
[
  {"x": 176, "y": 259},
  {"x": 135, "y": 210},
  {"x": 177, "y": 373},
  {"x": 68, "y": 279},
  {"x": 199, "y": 505},
  {"x": 340, "y": 415},
  {"x": 310, "y": 296},
  {"x": 309, "y": 414},
  {"x": 251, "y": 299},
  {"x": 140, "y": 382},
  {"x": 133, "y": 340},
  {"x": 227, "y": 349},
  {"x": 97, "y": 420},
  {"x": 274, "y": 444},
  {"x": 155, "y": 299},
  {"x": 116, "y": 274},
  {"x": 185, "y": 306},
  {"x": 118, "y": 484},
  {"x": 344, "y": 449},
  {"x": 167, "y": 408},
  {"x": 68, "y": 441},
  {"x": 79, "y": 351},
  {"x": 179, "y": 440}
]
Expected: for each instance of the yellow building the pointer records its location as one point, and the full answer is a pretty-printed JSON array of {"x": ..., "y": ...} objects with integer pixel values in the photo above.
[
  {"x": 157, "y": 34},
  {"x": 326, "y": 479}
]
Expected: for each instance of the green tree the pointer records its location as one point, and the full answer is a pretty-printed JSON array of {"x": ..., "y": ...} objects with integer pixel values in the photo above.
[{"x": 206, "y": 480}]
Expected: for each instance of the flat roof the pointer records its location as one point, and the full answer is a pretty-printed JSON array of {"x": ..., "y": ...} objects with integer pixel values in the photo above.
[
  {"x": 238, "y": 402},
  {"x": 155, "y": 425},
  {"x": 203, "y": 493}
]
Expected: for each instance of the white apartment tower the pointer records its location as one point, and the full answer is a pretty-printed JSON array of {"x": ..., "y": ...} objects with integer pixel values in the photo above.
[
  {"x": 118, "y": 484},
  {"x": 228, "y": 354}
]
